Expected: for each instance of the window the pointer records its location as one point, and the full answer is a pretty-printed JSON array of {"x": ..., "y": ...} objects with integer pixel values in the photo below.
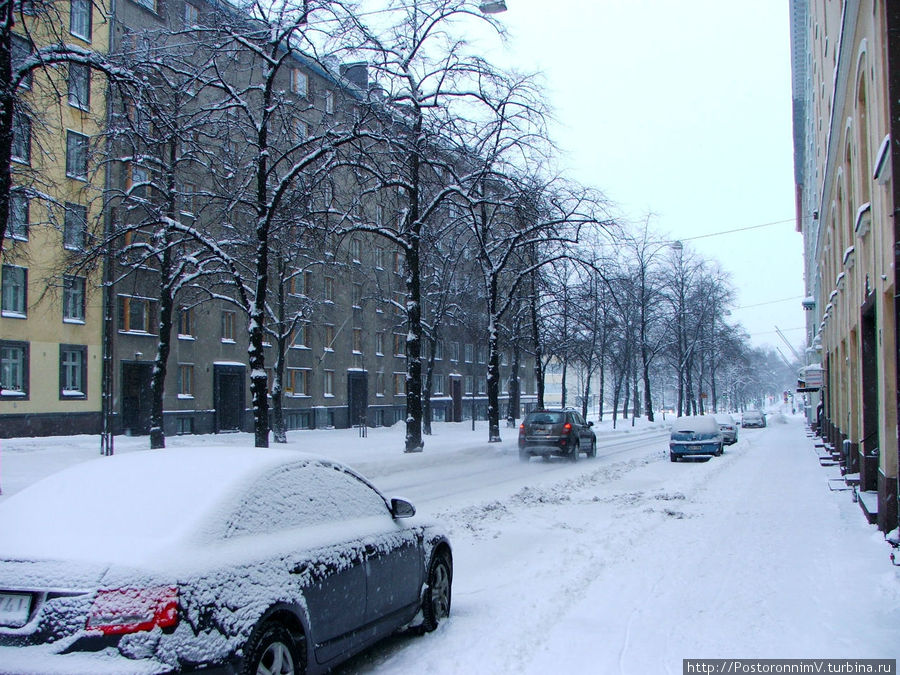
[
  {"x": 73, "y": 299},
  {"x": 13, "y": 369},
  {"x": 187, "y": 198},
  {"x": 468, "y": 384},
  {"x": 21, "y": 50},
  {"x": 301, "y": 131},
  {"x": 184, "y": 425},
  {"x": 357, "y": 295},
  {"x": 399, "y": 344},
  {"x": 149, "y": 4},
  {"x": 80, "y": 19},
  {"x": 328, "y": 386},
  {"x": 300, "y": 339},
  {"x": 379, "y": 343},
  {"x": 185, "y": 380},
  {"x": 296, "y": 381},
  {"x": 379, "y": 383},
  {"x": 329, "y": 337},
  {"x": 136, "y": 315},
  {"x": 307, "y": 283},
  {"x": 21, "y": 141},
  {"x": 191, "y": 15},
  {"x": 228, "y": 326},
  {"x": 185, "y": 322},
  {"x": 14, "y": 283},
  {"x": 399, "y": 382},
  {"x": 75, "y": 227},
  {"x": 72, "y": 372},
  {"x": 138, "y": 181},
  {"x": 469, "y": 352},
  {"x": 17, "y": 225},
  {"x": 482, "y": 354},
  {"x": 482, "y": 385},
  {"x": 437, "y": 384},
  {"x": 357, "y": 341},
  {"x": 76, "y": 155},
  {"x": 399, "y": 303},
  {"x": 398, "y": 263},
  {"x": 329, "y": 289},
  {"x": 79, "y": 86},
  {"x": 454, "y": 351},
  {"x": 355, "y": 250},
  {"x": 379, "y": 258},
  {"x": 438, "y": 350},
  {"x": 329, "y": 102},
  {"x": 299, "y": 82}
]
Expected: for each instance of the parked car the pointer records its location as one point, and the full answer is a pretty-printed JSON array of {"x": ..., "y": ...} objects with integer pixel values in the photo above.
[
  {"x": 560, "y": 431},
  {"x": 695, "y": 435},
  {"x": 728, "y": 427},
  {"x": 243, "y": 560},
  {"x": 753, "y": 418}
]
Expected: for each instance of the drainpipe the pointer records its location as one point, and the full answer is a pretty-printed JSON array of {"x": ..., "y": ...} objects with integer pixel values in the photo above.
[{"x": 892, "y": 36}]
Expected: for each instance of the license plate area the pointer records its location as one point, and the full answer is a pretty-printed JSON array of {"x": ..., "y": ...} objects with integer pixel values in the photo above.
[{"x": 15, "y": 608}]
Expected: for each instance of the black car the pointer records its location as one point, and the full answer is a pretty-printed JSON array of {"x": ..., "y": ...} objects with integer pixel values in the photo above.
[
  {"x": 561, "y": 431},
  {"x": 239, "y": 560}
]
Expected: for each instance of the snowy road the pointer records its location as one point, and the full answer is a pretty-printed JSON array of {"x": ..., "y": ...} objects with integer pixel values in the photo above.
[
  {"x": 629, "y": 563},
  {"x": 623, "y": 564}
]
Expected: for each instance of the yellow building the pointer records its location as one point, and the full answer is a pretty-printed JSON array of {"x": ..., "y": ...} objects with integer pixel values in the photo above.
[
  {"x": 51, "y": 311},
  {"x": 844, "y": 104}
]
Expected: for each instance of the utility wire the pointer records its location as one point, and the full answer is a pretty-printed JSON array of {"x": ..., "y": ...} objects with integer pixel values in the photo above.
[
  {"x": 739, "y": 229},
  {"x": 770, "y": 302}
]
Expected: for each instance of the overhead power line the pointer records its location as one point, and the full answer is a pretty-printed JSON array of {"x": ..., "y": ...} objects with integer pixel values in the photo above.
[
  {"x": 738, "y": 229},
  {"x": 770, "y": 302}
]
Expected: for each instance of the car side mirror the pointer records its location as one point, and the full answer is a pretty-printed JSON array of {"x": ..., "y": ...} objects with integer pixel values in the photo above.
[
  {"x": 590, "y": 424},
  {"x": 400, "y": 508}
]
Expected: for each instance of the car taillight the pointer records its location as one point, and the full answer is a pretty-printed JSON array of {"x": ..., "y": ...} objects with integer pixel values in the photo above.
[
  {"x": 522, "y": 429},
  {"x": 132, "y": 610},
  {"x": 567, "y": 427}
]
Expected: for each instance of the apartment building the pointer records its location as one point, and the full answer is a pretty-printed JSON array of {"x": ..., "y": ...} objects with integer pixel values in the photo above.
[
  {"x": 50, "y": 316},
  {"x": 846, "y": 76}
]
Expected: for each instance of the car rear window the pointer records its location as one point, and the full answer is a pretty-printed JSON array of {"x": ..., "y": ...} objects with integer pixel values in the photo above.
[{"x": 546, "y": 418}]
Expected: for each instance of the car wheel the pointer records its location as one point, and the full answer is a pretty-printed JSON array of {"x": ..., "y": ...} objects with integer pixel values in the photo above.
[
  {"x": 436, "y": 603},
  {"x": 673, "y": 457},
  {"x": 593, "y": 452},
  {"x": 576, "y": 449},
  {"x": 272, "y": 650}
]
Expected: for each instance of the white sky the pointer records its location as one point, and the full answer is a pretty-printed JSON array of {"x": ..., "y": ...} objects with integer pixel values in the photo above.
[{"x": 682, "y": 110}]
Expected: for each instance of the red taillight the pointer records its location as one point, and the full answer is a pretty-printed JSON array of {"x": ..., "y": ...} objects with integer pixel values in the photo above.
[
  {"x": 522, "y": 428},
  {"x": 131, "y": 610},
  {"x": 567, "y": 427}
]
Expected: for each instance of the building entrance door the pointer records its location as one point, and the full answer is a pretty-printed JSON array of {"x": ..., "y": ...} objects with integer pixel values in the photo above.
[
  {"x": 456, "y": 396},
  {"x": 357, "y": 397},
  {"x": 228, "y": 396},
  {"x": 136, "y": 401}
]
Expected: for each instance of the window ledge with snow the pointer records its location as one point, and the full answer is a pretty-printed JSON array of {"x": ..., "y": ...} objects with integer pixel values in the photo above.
[
  {"x": 8, "y": 314},
  {"x": 187, "y": 337},
  {"x": 76, "y": 322},
  {"x": 185, "y": 397}
]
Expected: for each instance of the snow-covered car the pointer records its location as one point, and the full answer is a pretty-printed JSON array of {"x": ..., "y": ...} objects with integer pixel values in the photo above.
[
  {"x": 728, "y": 427},
  {"x": 753, "y": 418},
  {"x": 243, "y": 560},
  {"x": 556, "y": 432},
  {"x": 695, "y": 435}
]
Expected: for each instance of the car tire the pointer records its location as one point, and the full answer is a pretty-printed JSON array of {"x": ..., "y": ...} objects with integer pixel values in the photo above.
[
  {"x": 576, "y": 450},
  {"x": 271, "y": 648},
  {"x": 436, "y": 600},
  {"x": 593, "y": 451},
  {"x": 673, "y": 457}
]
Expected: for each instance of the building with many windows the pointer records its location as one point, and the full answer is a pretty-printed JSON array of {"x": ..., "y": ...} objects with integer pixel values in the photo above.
[
  {"x": 846, "y": 75},
  {"x": 50, "y": 310}
]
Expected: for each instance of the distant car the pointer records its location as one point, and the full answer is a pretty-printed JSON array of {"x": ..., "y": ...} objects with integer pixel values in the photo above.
[
  {"x": 695, "y": 436},
  {"x": 728, "y": 427},
  {"x": 753, "y": 418},
  {"x": 242, "y": 560},
  {"x": 560, "y": 431}
]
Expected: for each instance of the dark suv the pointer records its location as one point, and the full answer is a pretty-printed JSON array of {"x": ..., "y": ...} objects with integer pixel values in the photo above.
[{"x": 560, "y": 431}]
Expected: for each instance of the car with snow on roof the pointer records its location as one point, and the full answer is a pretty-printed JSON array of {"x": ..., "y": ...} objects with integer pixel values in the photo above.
[
  {"x": 729, "y": 428},
  {"x": 232, "y": 560},
  {"x": 753, "y": 418},
  {"x": 696, "y": 435}
]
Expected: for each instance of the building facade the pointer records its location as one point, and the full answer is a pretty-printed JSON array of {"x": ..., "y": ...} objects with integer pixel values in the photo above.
[{"x": 846, "y": 73}]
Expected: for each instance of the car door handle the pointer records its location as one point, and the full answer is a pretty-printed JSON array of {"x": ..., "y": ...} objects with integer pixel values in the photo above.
[{"x": 301, "y": 568}]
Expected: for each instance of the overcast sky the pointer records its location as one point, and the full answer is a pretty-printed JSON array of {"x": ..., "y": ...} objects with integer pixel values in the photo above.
[{"x": 682, "y": 110}]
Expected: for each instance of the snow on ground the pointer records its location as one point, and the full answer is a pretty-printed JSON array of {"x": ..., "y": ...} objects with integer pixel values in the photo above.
[{"x": 627, "y": 563}]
